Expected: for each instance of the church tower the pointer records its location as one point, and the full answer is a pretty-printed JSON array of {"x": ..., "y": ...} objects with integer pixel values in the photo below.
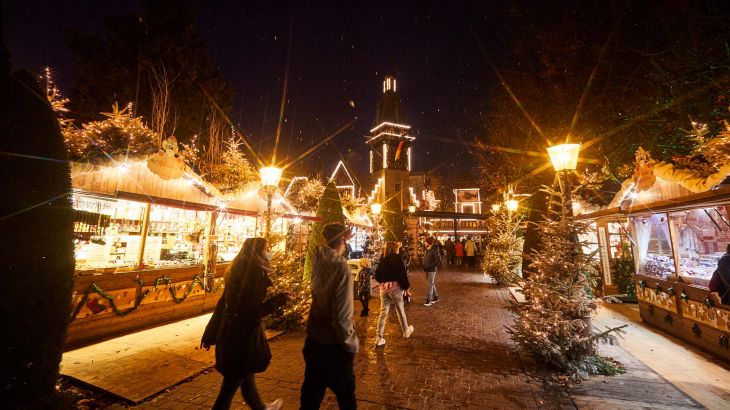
[{"x": 390, "y": 150}]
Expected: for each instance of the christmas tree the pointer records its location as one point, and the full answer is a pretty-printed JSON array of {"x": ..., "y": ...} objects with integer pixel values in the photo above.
[
  {"x": 329, "y": 211},
  {"x": 288, "y": 277},
  {"x": 554, "y": 322},
  {"x": 503, "y": 254}
]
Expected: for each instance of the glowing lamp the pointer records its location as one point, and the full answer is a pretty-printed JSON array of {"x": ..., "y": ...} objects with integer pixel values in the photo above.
[
  {"x": 564, "y": 156},
  {"x": 123, "y": 168},
  {"x": 375, "y": 208},
  {"x": 270, "y": 176},
  {"x": 495, "y": 207},
  {"x": 411, "y": 208},
  {"x": 511, "y": 205}
]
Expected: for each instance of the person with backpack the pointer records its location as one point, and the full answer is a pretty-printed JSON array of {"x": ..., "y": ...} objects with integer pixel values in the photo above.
[
  {"x": 393, "y": 279},
  {"x": 431, "y": 262}
]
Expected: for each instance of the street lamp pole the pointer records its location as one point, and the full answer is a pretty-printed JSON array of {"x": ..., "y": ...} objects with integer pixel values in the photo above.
[{"x": 270, "y": 177}]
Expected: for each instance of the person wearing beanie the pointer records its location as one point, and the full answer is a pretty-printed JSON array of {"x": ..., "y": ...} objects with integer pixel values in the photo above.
[{"x": 431, "y": 261}]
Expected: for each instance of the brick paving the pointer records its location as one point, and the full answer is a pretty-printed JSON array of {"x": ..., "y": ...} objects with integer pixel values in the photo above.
[{"x": 459, "y": 357}]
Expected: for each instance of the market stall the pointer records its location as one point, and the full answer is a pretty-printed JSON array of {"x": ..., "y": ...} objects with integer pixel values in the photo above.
[
  {"x": 151, "y": 244},
  {"x": 676, "y": 222}
]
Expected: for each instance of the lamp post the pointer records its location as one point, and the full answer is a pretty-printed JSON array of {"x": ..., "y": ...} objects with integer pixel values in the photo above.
[
  {"x": 270, "y": 181},
  {"x": 375, "y": 209},
  {"x": 564, "y": 158}
]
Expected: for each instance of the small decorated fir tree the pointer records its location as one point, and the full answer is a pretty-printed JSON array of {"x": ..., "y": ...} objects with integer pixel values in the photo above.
[
  {"x": 287, "y": 277},
  {"x": 553, "y": 324},
  {"x": 329, "y": 211},
  {"x": 503, "y": 254},
  {"x": 233, "y": 171}
]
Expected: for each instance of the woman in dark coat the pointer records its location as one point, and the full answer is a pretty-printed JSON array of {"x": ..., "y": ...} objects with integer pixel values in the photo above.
[{"x": 236, "y": 327}]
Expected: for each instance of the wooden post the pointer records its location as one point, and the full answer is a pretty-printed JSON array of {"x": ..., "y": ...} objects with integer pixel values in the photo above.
[{"x": 143, "y": 235}]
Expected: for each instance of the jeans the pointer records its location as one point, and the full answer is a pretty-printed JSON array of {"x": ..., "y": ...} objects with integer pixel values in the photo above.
[
  {"x": 394, "y": 296},
  {"x": 432, "y": 292},
  {"x": 327, "y": 366},
  {"x": 248, "y": 390}
]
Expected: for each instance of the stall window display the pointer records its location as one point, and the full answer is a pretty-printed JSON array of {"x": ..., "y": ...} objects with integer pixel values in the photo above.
[
  {"x": 175, "y": 237},
  {"x": 617, "y": 240},
  {"x": 231, "y": 231},
  {"x": 702, "y": 237},
  {"x": 106, "y": 233},
  {"x": 653, "y": 246}
]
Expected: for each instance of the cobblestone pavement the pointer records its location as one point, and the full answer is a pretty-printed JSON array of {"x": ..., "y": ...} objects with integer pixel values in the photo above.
[{"x": 458, "y": 357}]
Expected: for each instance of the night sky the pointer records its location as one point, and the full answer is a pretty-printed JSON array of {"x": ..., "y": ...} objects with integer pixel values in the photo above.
[{"x": 339, "y": 56}]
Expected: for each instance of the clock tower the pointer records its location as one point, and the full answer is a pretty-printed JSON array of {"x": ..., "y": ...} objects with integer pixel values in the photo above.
[{"x": 390, "y": 150}]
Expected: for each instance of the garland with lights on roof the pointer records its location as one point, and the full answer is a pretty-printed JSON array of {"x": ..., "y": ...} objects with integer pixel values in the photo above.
[
  {"x": 503, "y": 254},
  {"x": 94, "y": 288},
  {"x": 553, "y": 323},
  {"x": 120, "y": 133}
]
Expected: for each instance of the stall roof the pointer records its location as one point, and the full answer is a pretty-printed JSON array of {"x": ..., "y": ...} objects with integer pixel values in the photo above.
[
  {"x": 132, "y": 179},
  {"x": 660, "y": 187}
]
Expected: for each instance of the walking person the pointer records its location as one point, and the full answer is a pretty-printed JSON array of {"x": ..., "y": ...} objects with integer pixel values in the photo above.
[
  {"x": 393, "y": 279},
  {"x": 449, "y": 246},
  {"x": 459, "y": 252},
  {"x": 431, "y": 262},
  {"x": 364, "y": 291},
  {"x": 236, "y": 328},
  {"x": 331, "y": 343},
  {"x": 470, "y": 249},
  {"x": 720, "y": 281}
]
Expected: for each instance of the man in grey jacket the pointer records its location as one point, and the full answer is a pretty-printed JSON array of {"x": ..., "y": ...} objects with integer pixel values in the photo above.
[{"x": 331, "y": 343}]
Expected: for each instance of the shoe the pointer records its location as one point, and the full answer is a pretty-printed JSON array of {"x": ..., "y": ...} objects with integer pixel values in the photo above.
[
  {"x": 436, "y": 299},
  {"x": 408, "y": 332},
  {"x": 380, "y": 341},
  {"x": 274, "y": 405},
  {"x": 428, "y": 303},
  {"x": 363, "y": 313}
]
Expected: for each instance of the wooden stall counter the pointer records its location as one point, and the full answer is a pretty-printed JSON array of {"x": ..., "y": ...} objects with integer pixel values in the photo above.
[
  {"x": 112, "y": 304},
  {"x": 689, "y": 312}
]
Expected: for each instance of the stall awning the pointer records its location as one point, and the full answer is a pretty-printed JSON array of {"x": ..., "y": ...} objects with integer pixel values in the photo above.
[{"x": 717, "y": 197}]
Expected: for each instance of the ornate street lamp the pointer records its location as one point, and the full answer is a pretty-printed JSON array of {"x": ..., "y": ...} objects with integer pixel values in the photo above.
[
  {"x": 375, "y": 209},
  {"x": 270, "y": 177},
  {"x": 512, "y": 205},
  {"x": 411, "y": 208},
  {"x": 496, "y": 207},
  {"x": 565, "y": 160}
]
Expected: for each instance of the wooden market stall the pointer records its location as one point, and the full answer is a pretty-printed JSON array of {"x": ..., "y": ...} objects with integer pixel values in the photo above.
[
  {"x": 676, "y": 222},
  {"x": 152, "y": 243}
]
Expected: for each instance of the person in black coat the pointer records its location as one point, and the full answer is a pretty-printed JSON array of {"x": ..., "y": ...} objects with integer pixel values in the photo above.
[
  {"x": 236, "y": 327},
  {"x": 394, "y": 285}
]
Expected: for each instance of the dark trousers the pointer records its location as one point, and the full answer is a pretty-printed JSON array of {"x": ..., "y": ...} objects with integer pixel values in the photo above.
[
  {"x": 470, "y": 261},
  {"x": 248, "y": 389},
  {"x": 365, "y": 300},
  {"x": 327, "y": 366}
]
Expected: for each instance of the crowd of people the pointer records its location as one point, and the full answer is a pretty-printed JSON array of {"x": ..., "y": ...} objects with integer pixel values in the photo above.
[{"x": 236, "y": 327}]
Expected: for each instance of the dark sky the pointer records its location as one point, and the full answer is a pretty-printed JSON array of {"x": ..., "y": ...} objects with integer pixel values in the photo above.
[{"x": 338, "y": 55}]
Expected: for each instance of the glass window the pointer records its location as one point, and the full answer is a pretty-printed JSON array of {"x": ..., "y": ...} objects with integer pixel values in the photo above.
[
  {"x": 702, "y": 238},
  {"x": 175, "y": 236},
  {"x": 106, "y": 233},
  {"x": 653, "y": 250},
  {"x": 618, "y": 241},
  {"x": 231, "y": 231}
]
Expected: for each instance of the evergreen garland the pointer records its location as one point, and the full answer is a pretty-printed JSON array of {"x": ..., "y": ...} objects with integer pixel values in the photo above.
[{"x": 94, "y": 288}]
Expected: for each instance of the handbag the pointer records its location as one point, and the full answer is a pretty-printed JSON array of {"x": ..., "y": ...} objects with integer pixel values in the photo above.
[{"x": 258, "y": 351}]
